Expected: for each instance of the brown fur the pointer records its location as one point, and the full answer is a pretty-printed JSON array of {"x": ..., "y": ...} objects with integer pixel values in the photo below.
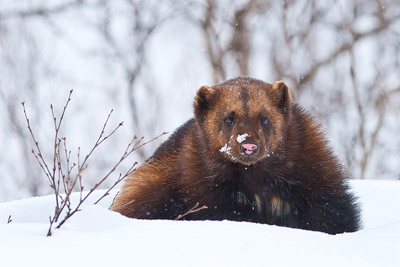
[{"x": 293, "y": 179}]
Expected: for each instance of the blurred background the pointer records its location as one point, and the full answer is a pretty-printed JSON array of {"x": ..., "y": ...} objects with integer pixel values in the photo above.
[{"x": 146, "y": 59}]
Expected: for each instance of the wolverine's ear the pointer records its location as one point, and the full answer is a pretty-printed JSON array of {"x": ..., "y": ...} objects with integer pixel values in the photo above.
[
  {"x": 203, "y": 102},
  {"x": 204, "y": 99},
  {"x": 281, "y": 95}
]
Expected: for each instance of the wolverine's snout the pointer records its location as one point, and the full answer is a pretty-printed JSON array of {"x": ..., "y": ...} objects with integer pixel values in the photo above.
[{"x": 248, "y": 148}]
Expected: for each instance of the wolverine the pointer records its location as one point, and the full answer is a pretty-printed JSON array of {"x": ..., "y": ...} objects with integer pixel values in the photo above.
[{"x": 249, "y": 154}]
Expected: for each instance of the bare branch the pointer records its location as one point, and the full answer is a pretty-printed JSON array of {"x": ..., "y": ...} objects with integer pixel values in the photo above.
[
  {"x": 43, "y": 11},
  {"x": 61, "y": 175},
  {"x": 120, "y": 179},
  {"x": 129, "y": 150},
  {"x": 194, "y": 209},
  {"x": 394, "y": 91},
  {"x": 39, "y": 157},
  {"x": 308, "y": 76}
]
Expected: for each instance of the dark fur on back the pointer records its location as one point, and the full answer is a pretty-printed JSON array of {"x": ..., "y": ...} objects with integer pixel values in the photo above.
[{"x": 296, "y": 182}]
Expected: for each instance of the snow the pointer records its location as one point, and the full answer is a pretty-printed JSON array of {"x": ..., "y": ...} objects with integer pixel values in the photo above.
[
  {"x": 225, "y": 149},
  {"x": 241, "y": 137},
  {"x": 99, "y": 237}
]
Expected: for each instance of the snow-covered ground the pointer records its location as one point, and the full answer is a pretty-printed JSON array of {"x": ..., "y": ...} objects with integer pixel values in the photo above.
[{"x": 98, "y": 237}]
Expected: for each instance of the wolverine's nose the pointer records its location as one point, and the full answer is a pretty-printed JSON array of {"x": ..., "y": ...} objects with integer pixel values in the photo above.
[{"x": 248, "y": 148}]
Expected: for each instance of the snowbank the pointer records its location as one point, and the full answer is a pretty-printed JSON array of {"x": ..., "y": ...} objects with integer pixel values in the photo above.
[{"x": 98, "y": 237}]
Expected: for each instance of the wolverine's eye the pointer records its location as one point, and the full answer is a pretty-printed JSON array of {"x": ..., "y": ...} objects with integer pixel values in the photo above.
[
  {"x": 229, "y": 121},
  {"x": 264, "y": 122}
]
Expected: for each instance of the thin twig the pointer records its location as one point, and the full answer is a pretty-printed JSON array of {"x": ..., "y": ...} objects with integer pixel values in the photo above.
[
  {"x": 124, "y": 156},
  {"x": 61, "y": 173},
  {"x": 192, "y": 210},
  {"x": 39, "y": 157},
  {"x": 56, "y": 142},
  {"x": 120, "y": 179}
]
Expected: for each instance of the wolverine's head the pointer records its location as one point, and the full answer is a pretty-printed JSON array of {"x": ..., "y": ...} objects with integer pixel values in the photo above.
[{"x": 243, "y": 119}]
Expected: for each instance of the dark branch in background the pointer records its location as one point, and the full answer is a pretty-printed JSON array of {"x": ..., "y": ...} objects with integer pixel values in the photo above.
[
  {"x": 44, "y": 11},
  {"x": 367, "y": 142},
  {"x": 309, "y": 75},
  {"x": 368, "y": 145},
  {"x": 239, "y": 45},
  {"x": 9, "y": 219},
  {"x": 132, "y": 61},
  {"x": 215, "y": 52},
  {"x": 143, "y": 29},
  {"x": 60, "y": 175}
]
